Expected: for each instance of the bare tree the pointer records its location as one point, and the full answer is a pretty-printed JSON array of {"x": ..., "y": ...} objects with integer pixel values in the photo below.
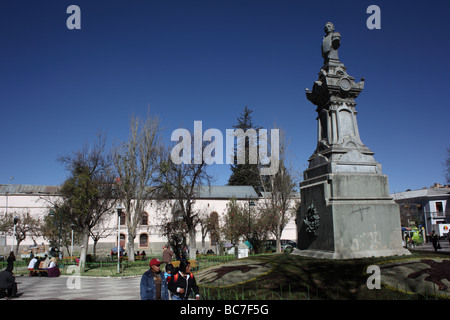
[
  {"x": 101, "y": 230},
  {"x": 173, "y": 228},
  {"x": 136, "y": 162},
  {"x": 57, "y": 228},
  {"x": 26, "y": 225},
  {"x": 204, "y": 220},
  {"x": 278, "y": 203},
  {"x": 181, "y": 184}
]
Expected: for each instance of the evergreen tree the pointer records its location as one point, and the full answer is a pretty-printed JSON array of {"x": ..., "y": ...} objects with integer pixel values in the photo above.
[{"x": 245, "y": 174}]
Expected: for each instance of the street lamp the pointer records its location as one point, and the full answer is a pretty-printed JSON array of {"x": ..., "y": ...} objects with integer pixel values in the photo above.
[
  {"x": 6, "y": 213},
  {"x": 71, "y": 245},
  {"x": 6, "y": 193},
  {"x": 53, "y": 214},
  {"x": 119, "y": 209},
  {"x": 16, "y": 219}
]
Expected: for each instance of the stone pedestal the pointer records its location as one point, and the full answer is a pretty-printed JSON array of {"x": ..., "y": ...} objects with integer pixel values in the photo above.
[
  {"x": 356, "y": 217},
  {"x": 346, "y": 210}
]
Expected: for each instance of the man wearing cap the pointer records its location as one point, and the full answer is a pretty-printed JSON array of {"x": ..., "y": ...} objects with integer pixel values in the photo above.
[{"x": 153, "y": 283}]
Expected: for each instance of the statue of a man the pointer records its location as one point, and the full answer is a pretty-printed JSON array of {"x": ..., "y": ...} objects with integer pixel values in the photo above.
[{"x": 330, "y": 44}]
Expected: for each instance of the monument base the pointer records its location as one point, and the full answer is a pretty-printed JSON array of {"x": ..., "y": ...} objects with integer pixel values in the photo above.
[
  {"x": 347, "y": 216},
  {"x": 350, "y": 255}
]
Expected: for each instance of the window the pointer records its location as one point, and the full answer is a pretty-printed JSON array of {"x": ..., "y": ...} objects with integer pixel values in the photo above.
[
  {"x": 122, "y": 218},
  {"x": 144, "y": 220},
  {"x": 122, "y": 240},
  {"x": 143, "y": 240},
  {"x": 439, "y": 207}
]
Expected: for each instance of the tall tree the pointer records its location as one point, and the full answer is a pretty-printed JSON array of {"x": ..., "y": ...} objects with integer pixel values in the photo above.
[
  {"x": 180, "y": 185},
  {"x": 136, "y": 163},
  {"x": 88, "y": 194},
  {"x": 173, "y": 227},
  {"x": 245, "y": 174},
  {"x": 279, "y": 203},
  {"x": 57, "y": 229},
  {"x": 102, "y": 229},
  {"x": 241, "y": 221},
  {"x": 234, "y": 223},
  {"x": 26, "y": 225}
]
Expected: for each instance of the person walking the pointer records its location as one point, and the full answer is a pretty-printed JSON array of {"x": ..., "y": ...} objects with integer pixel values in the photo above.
[
  {"x": 167, "y": 255},
  {"x": 10, "y": 261},
  {"x": 183, "y": 282},
  {"x": 153, "y": 283},
  {"x": 434, "y": 241}
]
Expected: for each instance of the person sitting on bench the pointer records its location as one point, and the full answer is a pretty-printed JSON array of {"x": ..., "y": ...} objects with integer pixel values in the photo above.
[
  {"x": 31, "y": 266},
  {"x": 53, "y": 270},
  {"x": 7, "y": 281}
]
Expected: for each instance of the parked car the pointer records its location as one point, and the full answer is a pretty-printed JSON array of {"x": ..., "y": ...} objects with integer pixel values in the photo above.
[
  {"x": 286, "y": 245},
  {"x": 270, "y": 246}
]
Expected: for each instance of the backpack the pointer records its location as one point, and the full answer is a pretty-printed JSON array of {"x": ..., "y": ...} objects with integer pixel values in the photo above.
[{"x": 175, "y": 277}]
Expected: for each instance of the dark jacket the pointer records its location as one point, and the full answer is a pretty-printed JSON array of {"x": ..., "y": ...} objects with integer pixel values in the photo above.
[
  {"x": 188, "y": 284},
  {"x": 148, "y": 288},
  {"x": 6, "y": 280},
  {"x": 10, "y": 261}
]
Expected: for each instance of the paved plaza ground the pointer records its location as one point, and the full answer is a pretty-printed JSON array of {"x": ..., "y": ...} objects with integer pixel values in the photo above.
[{"x": 67, "y": 288}]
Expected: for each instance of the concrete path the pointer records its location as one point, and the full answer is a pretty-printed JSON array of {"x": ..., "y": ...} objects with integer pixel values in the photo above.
[{"x": 77, "y": 288}]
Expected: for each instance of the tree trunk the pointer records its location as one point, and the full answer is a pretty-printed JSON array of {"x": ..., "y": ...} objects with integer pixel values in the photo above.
[
  {"x": 278, "y": 236},
  {"x": 16, "y": 248},
  {"x": 192, "y": 244},
  {"x": 84, "y": 248},
  {"x": 131, "y": 247},
  {"x": 95, "y": 249},
  {"x": 203, "y": 243}
]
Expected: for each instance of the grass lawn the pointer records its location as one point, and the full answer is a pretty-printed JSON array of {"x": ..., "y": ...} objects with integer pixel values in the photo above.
[{"x": 300, "y": 278}]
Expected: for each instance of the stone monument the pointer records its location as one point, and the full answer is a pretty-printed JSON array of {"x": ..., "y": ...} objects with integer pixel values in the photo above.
[{"x": 346, "y": 210}]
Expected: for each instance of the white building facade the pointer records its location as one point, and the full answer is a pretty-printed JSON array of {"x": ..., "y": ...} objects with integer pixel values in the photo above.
[
  {"x": 36, "y": 201},
  {"x": 430, "y": 206}
]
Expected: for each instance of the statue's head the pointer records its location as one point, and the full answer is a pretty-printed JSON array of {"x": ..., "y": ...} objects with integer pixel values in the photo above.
[{"x": 329, "y": 27}]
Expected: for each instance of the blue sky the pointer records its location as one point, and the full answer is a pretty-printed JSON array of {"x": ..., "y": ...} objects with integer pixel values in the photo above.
[{"x": 206, "y": 60}]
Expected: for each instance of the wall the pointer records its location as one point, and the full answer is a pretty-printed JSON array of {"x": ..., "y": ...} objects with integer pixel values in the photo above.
[{"x": 39, "y": 206}]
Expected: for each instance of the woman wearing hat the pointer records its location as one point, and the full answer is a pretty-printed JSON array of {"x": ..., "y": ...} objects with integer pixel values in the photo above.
[{"x": 153, "y": 283}]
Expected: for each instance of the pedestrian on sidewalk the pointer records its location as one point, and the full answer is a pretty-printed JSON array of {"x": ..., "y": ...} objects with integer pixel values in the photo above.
[
  {"x": 167, "y": 255},
  {"x": 434, "y": 241},
  {"x": 10, "y": 261},
  {"x": 153, "y": 283}
]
